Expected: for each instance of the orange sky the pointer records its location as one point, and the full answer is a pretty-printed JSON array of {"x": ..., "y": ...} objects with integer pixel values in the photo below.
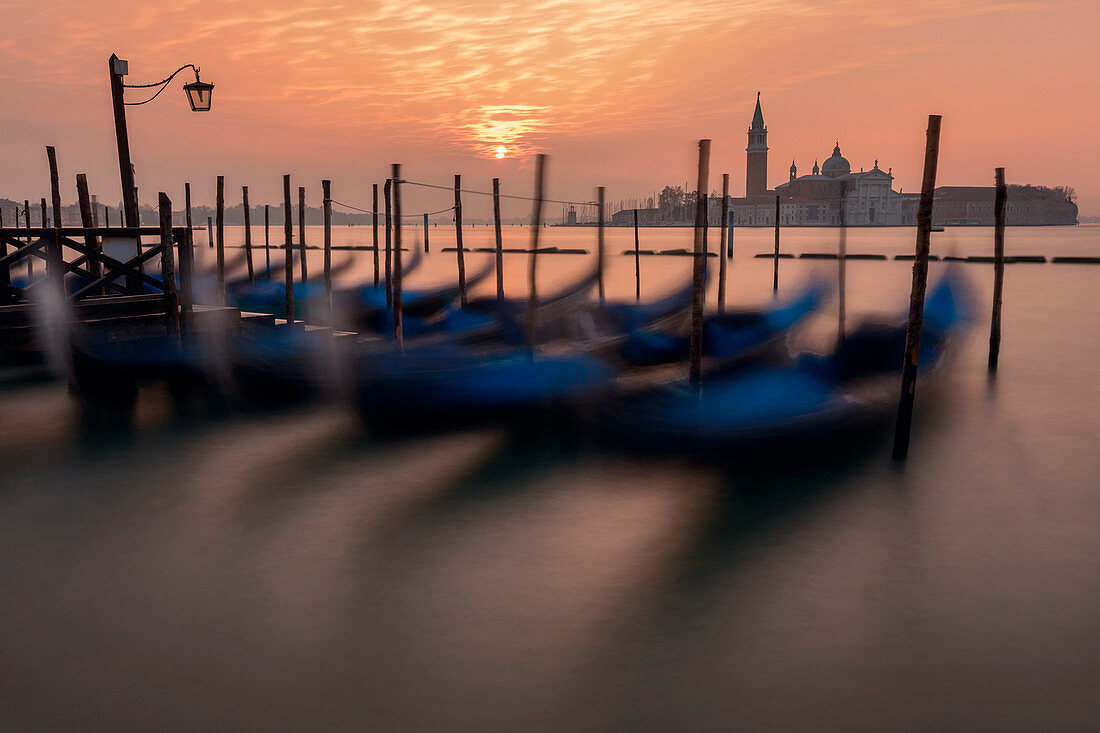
[{"x": 617, "y": 91}]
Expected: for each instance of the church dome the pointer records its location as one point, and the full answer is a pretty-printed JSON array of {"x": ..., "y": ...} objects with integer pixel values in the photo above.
[{"x": 836, "y": 165}]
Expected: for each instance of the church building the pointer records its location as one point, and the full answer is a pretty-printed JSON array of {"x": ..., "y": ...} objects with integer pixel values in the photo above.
[{"x": 832, "y": 194}]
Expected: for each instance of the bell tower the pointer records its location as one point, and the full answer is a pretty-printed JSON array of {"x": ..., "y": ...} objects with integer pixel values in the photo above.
[{"x": 756, "y": 167}]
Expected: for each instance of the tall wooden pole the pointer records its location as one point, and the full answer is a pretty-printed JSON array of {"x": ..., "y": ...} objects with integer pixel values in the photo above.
[
  {"x": 27, "y": 219},
  {"x": 219, "y": 213},
  {"x": 999, "y": 201},
  {"x": 536, "y": 225},
  {"x": 395, "y": 176},
  {"x": 387, "y": 189},
  {"x": 302, "y": 230},
  {"x": 842, "y": 272},
  {"x": 499, "y": 241},
  {"x": 722, "y": 247},
  {"x": 267, "y": 239},
  {"x": 729, "y": 235},
  {"x": 637, "y": 261},
  {"x": 54, "y": 260},
  {"x": 916, "y": 295},
  {"x": 248, "y": 234},
  {"x": 167, "y": 267},
  {"x": 374, "y": 228},
  {"x": 326, "y": 191},
  {"x": 775, "y": 269},
  {"x": 600, "y": 191},
  {"x": 288, "y": 239},
  {"x": 458, "y": 240},
  {"x": 122, "y": 139},
  {"x": 188, "y": 266},
  {"x": 699, "y": 272},
  {"x": 87, "y": 219}
]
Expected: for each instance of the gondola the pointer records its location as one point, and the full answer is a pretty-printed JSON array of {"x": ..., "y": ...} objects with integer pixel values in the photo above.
[{"x": 804, "y": 401}]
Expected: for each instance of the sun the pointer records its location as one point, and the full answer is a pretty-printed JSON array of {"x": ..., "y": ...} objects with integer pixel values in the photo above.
[{"x": 501, "y": 151}]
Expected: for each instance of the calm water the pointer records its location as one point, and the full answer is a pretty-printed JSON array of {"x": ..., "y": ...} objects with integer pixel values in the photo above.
[{"x": 287, "y": 571}]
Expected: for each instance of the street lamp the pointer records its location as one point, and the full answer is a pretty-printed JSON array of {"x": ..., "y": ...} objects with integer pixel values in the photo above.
[{"x": 199, "y": 94}]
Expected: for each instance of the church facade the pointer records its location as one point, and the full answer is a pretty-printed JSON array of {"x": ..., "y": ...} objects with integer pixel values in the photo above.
[{"x": 829, "y": 196}]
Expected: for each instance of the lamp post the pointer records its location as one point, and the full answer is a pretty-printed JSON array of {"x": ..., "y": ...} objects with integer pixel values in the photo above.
[{"x": 199, "y": 95}]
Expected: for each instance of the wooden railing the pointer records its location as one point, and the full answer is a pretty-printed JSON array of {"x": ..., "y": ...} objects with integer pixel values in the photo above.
[{"x": 76, "y": 264}]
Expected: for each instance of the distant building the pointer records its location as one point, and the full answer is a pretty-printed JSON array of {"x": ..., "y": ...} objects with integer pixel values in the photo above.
[
  {"x": 1025, "y": 205},
  {"x": 831, "y": 194}
]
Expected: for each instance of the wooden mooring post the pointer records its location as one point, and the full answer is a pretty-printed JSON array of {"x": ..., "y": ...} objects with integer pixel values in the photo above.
[
  {"x": 54, "y": 264},
  {"x": 326, "y": 192},
  {"x": 841, "y": 272},
  {"x": 775, "y": 267},
  {"x": 302, "y": 230},
  {"x": 637, "y": 261},
  {"x": 999, "y": 201},
  {"x": 699, "y": 270},
  {"x": 398, "y": 334},
  {"x": 248, "y": 234},
  {"x": 458, "y": 240},
  {"x": 288, "y": 239},
  {"x": 27, "y": 220},
  {"x": 916, "y": 296},
  {"x": 536, "y": 225},
  {"x": 374, "y": 228},
  {"x": 167, "y": 267},
  {"x": 267, "y": 239},
  {"x": 190, "y": 229},
  {"x": 387, "y": 190},
  {"x": 427, "y": 247},
  {"x": 187, "y": 271},
  {"x": 499, "y": 240},
  {"x": 87, "y": 220},
  {"x": 210, "y": 231},
  {"x": 219, "y": 212},
  {"x": 600, "y": 191},
  {"x": 722, "y": 243}
]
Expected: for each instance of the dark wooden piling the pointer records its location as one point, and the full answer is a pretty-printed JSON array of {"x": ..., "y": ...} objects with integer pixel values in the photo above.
[
  {"x": 302, "y": 230},
  {"x": 395, "y": 176},
  {"x": 167, "y": 267},
  {"x": 427, "y": 248},
  {"x": 499, "y": 240},
  {"x": 841, "y": 272},
  {"x": 27, "y": 219},
  {"x": 45, "y": 215},
  {"x": 536, "y": 225},
  {"x": 916, "y": 295},
  {"x": 87, "y": 219},
  {"x": 387, "y": 191},
  {"x": 326, "y": 192},
  {"x": 187, "y": 271},
  {"x": 637, "y": 261},
  {"x": 729, "y": 235},
  {"x": 248, "y": 234},
  {"x": 699, "y": 271},
  {"x": 458, "y": 240},
  {"x": 600, "y": 264},
  {"x": 374, "y": 228},
  {"x": 210, "y": 232},
  {"x": 5, "y": 269},
  {"x": 267, "y": 239},
  {"x": 999, "y": 200},
  {"x": 54, "y": 266},
  {"x": 219, "y": 212},
  {"x": 775, "y": 268},
  {"x": 288, "y": 244},
  {"x": 722, "y": 243},
  {"x": 189, "y": 253}
]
